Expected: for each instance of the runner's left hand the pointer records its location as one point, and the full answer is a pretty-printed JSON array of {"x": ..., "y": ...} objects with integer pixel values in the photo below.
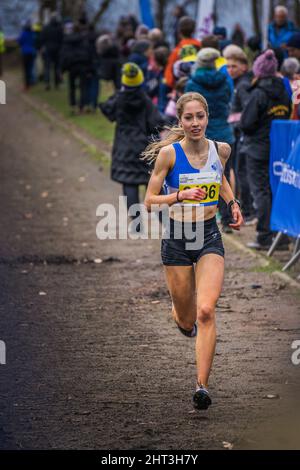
[{"x": 237, "y": 217}]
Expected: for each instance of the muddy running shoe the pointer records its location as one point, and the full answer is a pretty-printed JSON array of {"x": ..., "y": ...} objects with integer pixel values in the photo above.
[
  {"x": 189, "y": 333},
  {"x": 201, "y": 398}
]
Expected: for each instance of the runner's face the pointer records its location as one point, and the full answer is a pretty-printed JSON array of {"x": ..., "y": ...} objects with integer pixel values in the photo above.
[{"x": 194, "y": 120}]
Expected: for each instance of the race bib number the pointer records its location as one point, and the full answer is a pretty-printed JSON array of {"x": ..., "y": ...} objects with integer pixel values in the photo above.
[{"x": 206, "y": 181}]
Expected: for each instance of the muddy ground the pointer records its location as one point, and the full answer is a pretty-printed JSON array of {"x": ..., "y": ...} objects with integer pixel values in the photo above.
[{"x": 93, "y": 357}]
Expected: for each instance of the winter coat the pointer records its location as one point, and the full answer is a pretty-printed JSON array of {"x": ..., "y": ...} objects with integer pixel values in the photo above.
[
  {"x": 136, "y": 120},
  {"x": 109, "y": 65},
  {"x": 279, "y": 36},
  {"x": 76, "y": 54},
  {"x": 52, "y": 38},
  {"x": 268, "y": 100},
  {"x": 241, "y": 95},
  {"x": 214, "y": 86},
  {"x": 27, "y": 42}
]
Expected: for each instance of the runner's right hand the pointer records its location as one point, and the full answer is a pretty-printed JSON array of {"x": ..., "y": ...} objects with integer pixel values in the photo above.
[{"x": 195, "y": 194}]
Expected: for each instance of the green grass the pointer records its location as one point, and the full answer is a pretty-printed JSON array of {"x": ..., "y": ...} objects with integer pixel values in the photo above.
[
  {"x": 94, "y": 124},
  {"x": 272, "y": 266}
]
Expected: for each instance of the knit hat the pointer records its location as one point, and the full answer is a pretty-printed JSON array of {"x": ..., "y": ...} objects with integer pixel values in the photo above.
[
  {"x": 206, "y": 58},
  {"x": 188, "y": 53},
  {"x": 220, "y": 31},
  {"x": 132, "y": 75},
  {"x": 265, "y": 65},
  {"x": 294, "y": 41}
]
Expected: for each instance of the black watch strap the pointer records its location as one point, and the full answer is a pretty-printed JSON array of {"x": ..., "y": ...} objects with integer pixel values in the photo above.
[{"x": 233, "y": 201}]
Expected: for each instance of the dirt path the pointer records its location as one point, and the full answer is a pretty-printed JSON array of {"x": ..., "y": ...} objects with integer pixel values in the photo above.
[{"x": 96, "y": 362}]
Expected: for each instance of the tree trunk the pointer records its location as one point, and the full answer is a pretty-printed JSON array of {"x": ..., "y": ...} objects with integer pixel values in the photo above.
[
  {"x": 272, "y": 6},
  {"x": 297, "y": 12},
  {"x": 73, "y": 8},
  {"x": 255, "y": 17},
  {"x": 103, "y": 7},
  {"x": 160, "y": 14}
]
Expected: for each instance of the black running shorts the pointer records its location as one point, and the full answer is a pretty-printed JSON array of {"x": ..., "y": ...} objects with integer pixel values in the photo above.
[{"x": 174, "y": 251}]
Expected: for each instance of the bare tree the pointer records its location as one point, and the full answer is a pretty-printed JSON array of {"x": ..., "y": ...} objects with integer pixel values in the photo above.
[
  {"x": 103, "y": 7},
  {"x": 297, "y": 12},
  {"x": 255, "y": 16},
  {"x": 160, "y": 14},
  {"x": 71, "y": 8}
]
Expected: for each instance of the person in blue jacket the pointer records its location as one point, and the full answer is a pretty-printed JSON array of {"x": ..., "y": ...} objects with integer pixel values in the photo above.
[
  {"x": 214, "y": 86},
  {"x": 281, "y": 29},
  {"x": 27, "y": 42}
]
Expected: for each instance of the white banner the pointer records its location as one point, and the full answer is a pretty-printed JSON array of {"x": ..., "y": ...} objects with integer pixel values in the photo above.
[
  {"x": 265, "y": 22},
  {"x": 205, "y": 18}
]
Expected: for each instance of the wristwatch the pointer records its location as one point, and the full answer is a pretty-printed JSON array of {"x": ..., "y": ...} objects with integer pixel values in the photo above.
[{"x": 233, "y": 201}]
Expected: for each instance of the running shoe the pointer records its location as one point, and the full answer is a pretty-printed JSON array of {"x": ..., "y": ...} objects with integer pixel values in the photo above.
[
  {"x": 201, "y": 398},
  {"x": 189, "y": 333}
]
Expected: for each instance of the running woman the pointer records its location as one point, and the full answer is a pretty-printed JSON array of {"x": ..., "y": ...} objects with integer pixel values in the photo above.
[{"x": 191, "y": 169}]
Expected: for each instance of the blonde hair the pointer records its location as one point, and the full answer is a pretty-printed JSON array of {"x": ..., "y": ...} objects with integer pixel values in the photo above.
[{"x": 175, "y": 133}]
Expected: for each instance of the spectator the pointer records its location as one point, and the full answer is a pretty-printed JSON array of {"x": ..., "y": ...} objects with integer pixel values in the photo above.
[
  {"x": 178, "y": 13},
  {"x": 136, "y": 119},
  {"x": 2, "y": 50},
  {"x": 281, "y": 29},
  {"x": 184, "y": 65},
  {"x": 92, "y": 81},
  {"x": 290, "y": 70},
  {"x": 233, "y": 51},
  {"x": 214, "y": 86},
  {"x": 108, "y": 60},
  {"x": 156, "y": 37},
  {"x": 293, "y": 46},
  {"x": 76, "y": 60},
  {"x": 221, "y": 33},
  {"x": 51, "y": 41},
  {"x": 268, "y": 101},
  {"x": 125, "y": 32},
  {"x": 156, "y": 87},
  {"x": 253, "y": 48},
  {"x": 142, "y": 32},
  {"x": 221, "y": 63},
  {"x": 238, "y": 69},
  {"x": 28, "y": 48},
  {"x": 186, "y": 29},
  {"x": 238, "y": 36},
  {"x": 140, "y": 55}
]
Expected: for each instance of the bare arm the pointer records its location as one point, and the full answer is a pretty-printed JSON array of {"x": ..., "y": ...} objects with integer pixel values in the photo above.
[
  {"x": 226, "y": 192},
  {"x": 163, "y": 165}
]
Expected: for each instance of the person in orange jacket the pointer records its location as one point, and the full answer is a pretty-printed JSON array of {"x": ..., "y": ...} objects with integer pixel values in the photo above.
[{"x": 186, "y": 27}]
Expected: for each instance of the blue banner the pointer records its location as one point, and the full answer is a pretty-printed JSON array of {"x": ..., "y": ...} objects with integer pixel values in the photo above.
[
  {"x": 285, "y": 215},
  {"x": 146, "y": 13},
  {"x": 283, "y": 137}
]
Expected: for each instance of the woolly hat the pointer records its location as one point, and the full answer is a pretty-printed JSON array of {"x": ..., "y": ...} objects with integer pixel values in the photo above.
[
  {"x": 132, "y": 75},
  {"x": 294, "y": 41},
  {"x": 206, "y": 58},
  {"x": 265, "y": 65},
  {"x": 188, "y": 53},
  {"x": 220, "y": 31}
]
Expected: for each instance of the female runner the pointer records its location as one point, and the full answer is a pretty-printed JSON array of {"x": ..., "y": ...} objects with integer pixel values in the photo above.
[{"x": 190, "y": 167}]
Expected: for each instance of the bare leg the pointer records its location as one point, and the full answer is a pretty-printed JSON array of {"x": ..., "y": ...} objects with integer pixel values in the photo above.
[
  {"x": 209, "y": 281},
  {"x": 181, "y": 285}
]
